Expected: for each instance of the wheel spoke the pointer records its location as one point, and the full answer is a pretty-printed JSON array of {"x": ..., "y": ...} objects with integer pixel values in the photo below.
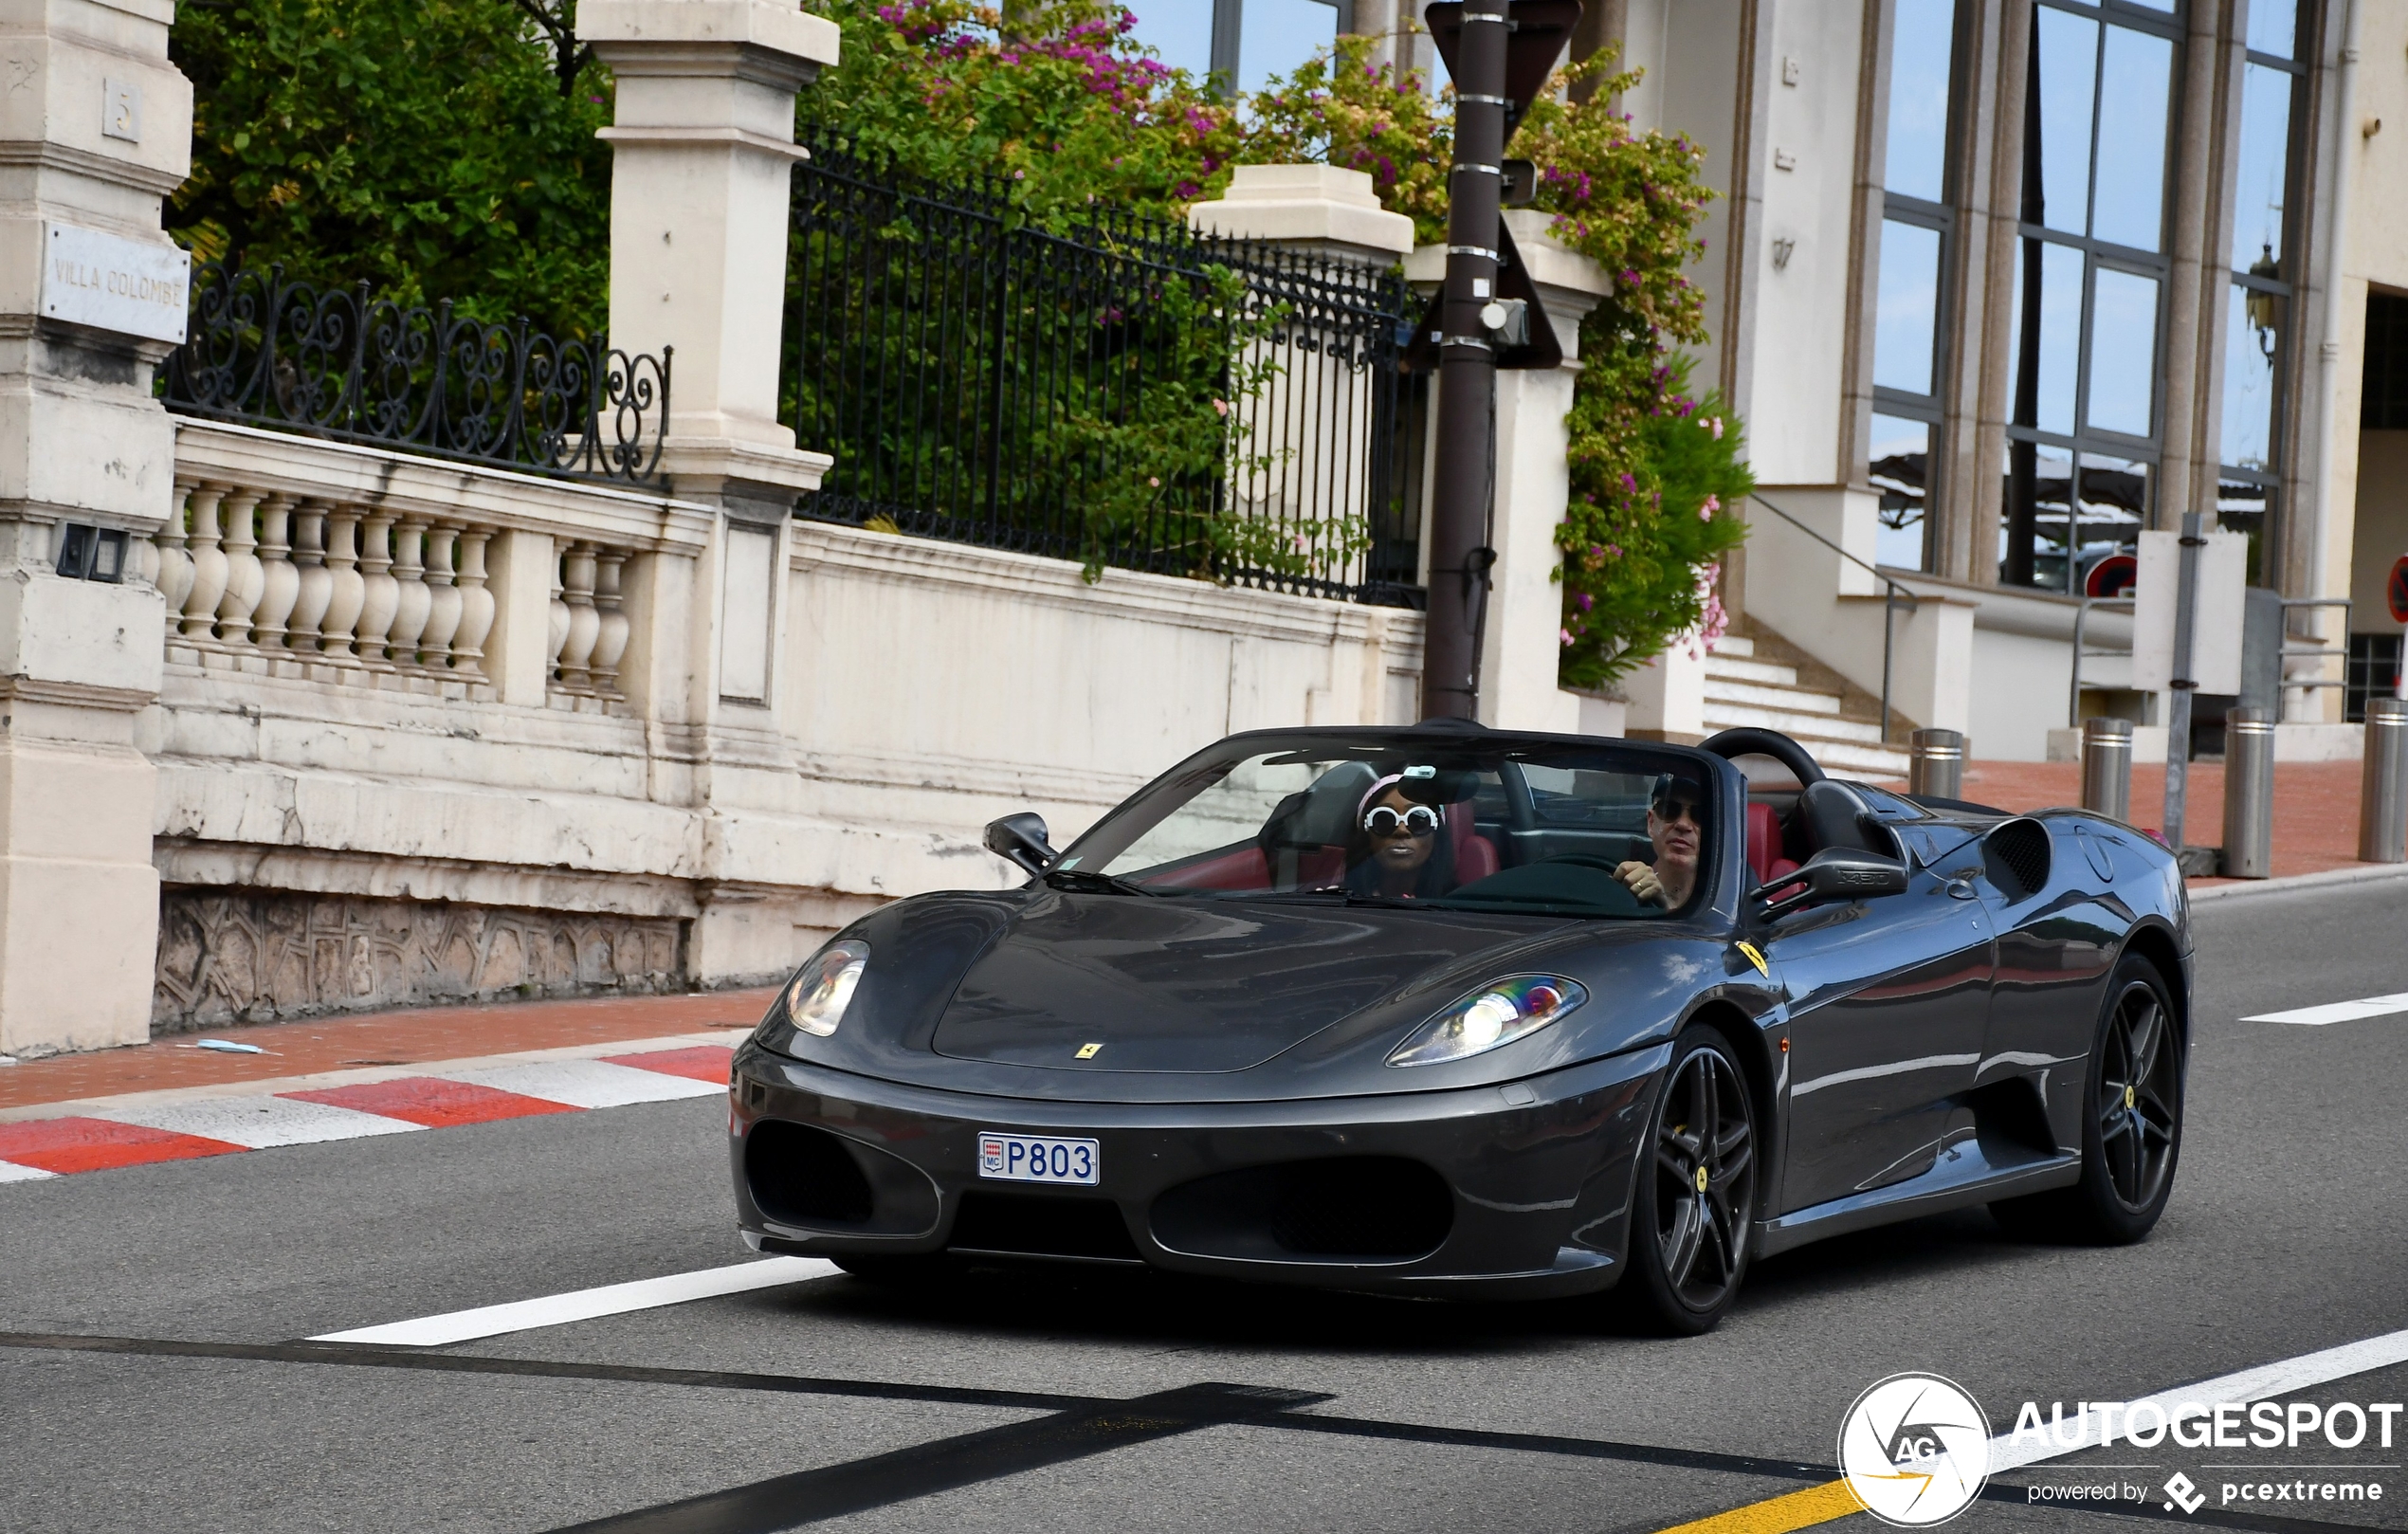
[
  {"x": 1736, "y": 1162},
  {"x": 1672, "y": 1163},
  {"x": 1681, "y": 1245},
  {"x": 1718, "y": 1237},
  {"x": 2147, "y": 1029}
]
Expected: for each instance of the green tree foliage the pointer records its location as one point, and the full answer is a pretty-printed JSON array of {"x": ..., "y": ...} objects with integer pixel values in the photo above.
[
  {"x": 425, "y": 146},
  {"x": 1054, "y": 101}
]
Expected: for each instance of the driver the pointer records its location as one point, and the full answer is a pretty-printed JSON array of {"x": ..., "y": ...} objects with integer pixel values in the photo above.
[{"x": 1674, "y": 825}]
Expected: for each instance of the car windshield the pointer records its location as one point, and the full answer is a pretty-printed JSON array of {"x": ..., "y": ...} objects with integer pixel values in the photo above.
[{"x": 1565, "y": 830}]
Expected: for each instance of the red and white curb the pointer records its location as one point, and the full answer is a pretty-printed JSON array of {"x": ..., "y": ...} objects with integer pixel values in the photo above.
[{"x": 181, "y": 1126}]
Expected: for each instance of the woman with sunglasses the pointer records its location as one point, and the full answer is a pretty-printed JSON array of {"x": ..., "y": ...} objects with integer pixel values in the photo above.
[{"x": 1400, "y": 850}]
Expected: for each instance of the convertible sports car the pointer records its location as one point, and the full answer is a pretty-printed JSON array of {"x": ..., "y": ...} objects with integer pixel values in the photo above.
[{"x": 1449, "y": 1011}]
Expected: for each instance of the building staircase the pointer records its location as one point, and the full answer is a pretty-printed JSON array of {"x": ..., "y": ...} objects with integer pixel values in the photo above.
[{"x": 1760, "y": 679}]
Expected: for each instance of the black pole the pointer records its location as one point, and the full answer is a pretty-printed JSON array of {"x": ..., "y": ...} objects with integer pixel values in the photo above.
[
  {"x": 2023, "y": 470},
  {"x": 1464, "y": 477}
]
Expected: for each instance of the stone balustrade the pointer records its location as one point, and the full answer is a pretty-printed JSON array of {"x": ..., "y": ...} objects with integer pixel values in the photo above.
[{"x": 351, "y": 567}]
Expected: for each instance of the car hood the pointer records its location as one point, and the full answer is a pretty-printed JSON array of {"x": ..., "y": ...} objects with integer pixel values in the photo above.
[{"x": 1183, "y": 985}]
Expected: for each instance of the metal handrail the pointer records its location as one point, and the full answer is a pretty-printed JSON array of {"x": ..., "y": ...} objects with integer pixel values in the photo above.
[
  {"x": 2320, "y": 650},
  {"x": 1888, "y": 606},
  {"x": 2081, "y": 619}
]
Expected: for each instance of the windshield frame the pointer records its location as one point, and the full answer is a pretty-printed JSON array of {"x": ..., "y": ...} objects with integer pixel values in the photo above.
[{"x": 1719, "y": 886}]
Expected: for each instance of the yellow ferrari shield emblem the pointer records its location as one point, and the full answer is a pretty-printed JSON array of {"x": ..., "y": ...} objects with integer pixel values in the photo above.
[
  {"x": 1701, "y": 1179},
  {"x": 1088, "y": 1051},
  {"x": 1755, "y": 959},
  {"x": 2131, "y": 1097}
]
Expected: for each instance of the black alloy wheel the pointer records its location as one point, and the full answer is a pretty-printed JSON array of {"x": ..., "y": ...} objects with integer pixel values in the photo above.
[
  {"x": 2132, "y": 1123},
  {"x": 1692, "y": 1220}
]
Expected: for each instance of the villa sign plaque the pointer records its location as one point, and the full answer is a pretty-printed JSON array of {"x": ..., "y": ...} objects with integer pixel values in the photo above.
[{"x": 111, "y": 282}]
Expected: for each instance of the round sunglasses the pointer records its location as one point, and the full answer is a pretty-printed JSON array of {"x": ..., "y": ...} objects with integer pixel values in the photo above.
[{"x": 1421, "y": 820}]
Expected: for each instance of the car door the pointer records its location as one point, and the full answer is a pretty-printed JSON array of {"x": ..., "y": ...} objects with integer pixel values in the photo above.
[{"x": 1888, "y": 1004}]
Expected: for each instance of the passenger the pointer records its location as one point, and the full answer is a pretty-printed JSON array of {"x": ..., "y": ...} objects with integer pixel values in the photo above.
[
  {"x": 1398, "y": 853},
  {"x": 1674, "y": 825}
]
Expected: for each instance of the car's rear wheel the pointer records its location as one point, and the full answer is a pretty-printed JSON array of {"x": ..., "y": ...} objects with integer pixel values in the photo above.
[
  {"x": 1695, "y": 1206},
  {"x": 2131, "y": 1122}
]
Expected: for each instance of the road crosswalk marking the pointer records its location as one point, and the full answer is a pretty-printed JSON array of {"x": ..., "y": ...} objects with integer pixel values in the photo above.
[{"x": 2336, "y": 1012}]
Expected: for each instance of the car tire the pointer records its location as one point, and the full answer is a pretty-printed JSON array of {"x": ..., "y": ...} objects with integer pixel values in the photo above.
[
  {"x": 919, "y": 1270},
  {"x": 1693, "y": 1207},
  {"x": 2131, "y": 1122}
]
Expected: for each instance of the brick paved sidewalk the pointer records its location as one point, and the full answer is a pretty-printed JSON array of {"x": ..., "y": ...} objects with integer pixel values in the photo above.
[{"x": 322, "y": 1045}]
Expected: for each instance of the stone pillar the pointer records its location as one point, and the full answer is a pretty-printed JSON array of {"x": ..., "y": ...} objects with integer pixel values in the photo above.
[
  {"x": 1520, "y": 640},
  {"x": 702, "y": 151},
  {"x": 1330, "y": 212},
  {"x": 97, "y": 125}
]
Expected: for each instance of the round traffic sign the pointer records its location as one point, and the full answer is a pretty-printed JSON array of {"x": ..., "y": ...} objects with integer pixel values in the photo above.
[
  {"x": 2111, "y": 577},
  {"x": 2396, "y": 590}
]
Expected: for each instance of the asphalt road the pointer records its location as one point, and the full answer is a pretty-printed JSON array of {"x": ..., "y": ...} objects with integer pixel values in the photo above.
[{"x": 1008, "y": 1405}]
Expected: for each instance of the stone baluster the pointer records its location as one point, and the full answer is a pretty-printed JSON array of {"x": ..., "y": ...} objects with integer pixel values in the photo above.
[
  {"x": 610, "y": 643},
  {"x": 476, "y": 603},
  {"x": 556, "y": 629},
  {"x": 350, "y": 590},
  {"x": 413, "y": 597},
  {"x": 245, "y": 577},
  {"x": 209, "y": 567},
  {"x": 316, "y": 586},
  {"x": 443, "y": 605},
  {"x": 382, "y": 598},
  {"x": 585, "y": 624},
  {"x": 175, "y": 579},
  {"x": 280, "y": 578}
]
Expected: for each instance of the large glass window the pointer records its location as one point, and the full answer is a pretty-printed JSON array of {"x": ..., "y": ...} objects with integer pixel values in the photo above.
[
  {"x": 2257, "y": 310},
  {"x": 2089, "y": 286},
  {"x": 1910, "y": 345}
]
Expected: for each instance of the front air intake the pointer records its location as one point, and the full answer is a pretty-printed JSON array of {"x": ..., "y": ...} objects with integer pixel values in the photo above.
[
  {"x": 1381, "y": 1209},
  {"x": 802, "y": 1176}
]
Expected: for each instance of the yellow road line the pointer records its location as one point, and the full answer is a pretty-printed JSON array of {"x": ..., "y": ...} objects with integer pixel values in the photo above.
[{"x": 1800, "y": 1509}]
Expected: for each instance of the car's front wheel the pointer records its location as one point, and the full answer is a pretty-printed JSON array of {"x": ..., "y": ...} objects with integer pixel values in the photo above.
[
  {"x": 2131, "y": 1122},
  {"x": 1695, "y": 1203}
]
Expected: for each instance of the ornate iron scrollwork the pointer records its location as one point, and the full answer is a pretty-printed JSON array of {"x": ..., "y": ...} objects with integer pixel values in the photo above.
[{"x": 341, "y": 363}]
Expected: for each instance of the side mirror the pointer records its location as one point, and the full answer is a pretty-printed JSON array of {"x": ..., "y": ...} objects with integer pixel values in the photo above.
[
  {"x": 1020, "y": 840},
  {"x": 1834, "y": 873}
]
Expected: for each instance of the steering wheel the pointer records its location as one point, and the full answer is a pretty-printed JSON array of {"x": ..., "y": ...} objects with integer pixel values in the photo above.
[{"x": 1748, "y": 740}]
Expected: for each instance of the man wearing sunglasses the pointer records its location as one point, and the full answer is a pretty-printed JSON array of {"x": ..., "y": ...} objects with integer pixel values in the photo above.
[{"x": 1673, "y": 824}]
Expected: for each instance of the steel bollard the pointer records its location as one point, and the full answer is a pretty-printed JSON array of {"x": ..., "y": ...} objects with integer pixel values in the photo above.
[
  {"x": 2382, "y": 793},
  {"x": 1936, "y": 763},
  {"x": 2249, "y": 793},
  {"x": 2106, "y": 767}
]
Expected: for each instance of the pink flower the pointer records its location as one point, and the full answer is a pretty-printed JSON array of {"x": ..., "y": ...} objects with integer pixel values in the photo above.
[
  {"x": 1220, "y": 407},
  {"x": 1154, "y": 482},
  {"x": 1718, "y": 429},
  {"x": 1565, "y": 634}
]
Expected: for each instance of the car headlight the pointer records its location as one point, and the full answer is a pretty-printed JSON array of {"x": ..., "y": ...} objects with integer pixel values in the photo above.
[
  {"x": 819, "y": 992},
  {"x": 1491, "y": 1017}
]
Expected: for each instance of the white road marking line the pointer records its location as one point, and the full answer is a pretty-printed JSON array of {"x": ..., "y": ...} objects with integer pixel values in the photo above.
[
  {"x": 2265, "y": 1383},
  {"x": 586, "y": 1305},
  {"x": 11, "y": 1172},
  {"x": 2336, "y": 1012},
  {"x": 586, "y": 1084},
  {"x": 257, "y": 1123}
]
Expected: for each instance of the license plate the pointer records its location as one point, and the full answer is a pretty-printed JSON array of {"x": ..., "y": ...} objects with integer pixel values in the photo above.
[{"x": 1038, "y": 1158}]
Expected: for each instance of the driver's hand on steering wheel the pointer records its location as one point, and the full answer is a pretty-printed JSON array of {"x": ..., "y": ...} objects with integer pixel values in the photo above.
[{"x": 1642, "y": 881}]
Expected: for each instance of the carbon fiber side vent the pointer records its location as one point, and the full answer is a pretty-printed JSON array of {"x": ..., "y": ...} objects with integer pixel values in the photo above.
[{"x": 2016, "y": 858}]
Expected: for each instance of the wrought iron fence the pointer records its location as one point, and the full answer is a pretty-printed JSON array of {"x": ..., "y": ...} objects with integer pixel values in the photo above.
[
  {"x": 341, "y": 363},
  {"x": 1117, "y": 390}
]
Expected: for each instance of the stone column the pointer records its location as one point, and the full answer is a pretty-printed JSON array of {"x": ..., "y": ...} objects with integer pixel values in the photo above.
[
  {"x": 1520, "y": 640},
  {"x": 702, "y": 152},
  {"x": 1334, "y": 214},
  {"x": 95, "y": 127}
]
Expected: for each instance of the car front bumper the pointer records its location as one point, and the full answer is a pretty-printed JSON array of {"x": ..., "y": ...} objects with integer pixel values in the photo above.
[{"x": 1529, "y": 1182}]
